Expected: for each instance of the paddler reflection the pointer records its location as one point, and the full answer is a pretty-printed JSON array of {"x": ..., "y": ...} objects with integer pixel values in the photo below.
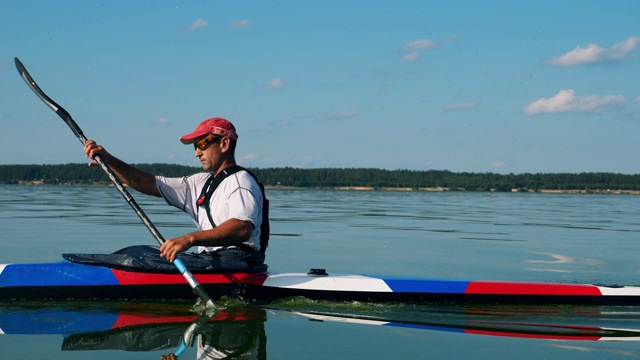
[{"x": 227, "y": 334}]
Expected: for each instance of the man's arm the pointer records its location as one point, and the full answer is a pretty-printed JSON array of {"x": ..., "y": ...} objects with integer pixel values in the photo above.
[
  {"x": 136, "y": 178},
  {"x": 232, "y": 232}
]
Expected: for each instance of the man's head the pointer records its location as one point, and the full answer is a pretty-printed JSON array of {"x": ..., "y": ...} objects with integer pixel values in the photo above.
[
  {"x": 214, "y": 142},
  {"x": 215, "y": 126}
]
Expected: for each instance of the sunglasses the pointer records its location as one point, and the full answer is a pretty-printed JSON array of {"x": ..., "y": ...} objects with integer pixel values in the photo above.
[{"x": 204, "y": 143}]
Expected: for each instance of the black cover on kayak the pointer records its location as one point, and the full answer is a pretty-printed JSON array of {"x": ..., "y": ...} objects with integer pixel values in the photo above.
[{"x": 147, "y": 259}]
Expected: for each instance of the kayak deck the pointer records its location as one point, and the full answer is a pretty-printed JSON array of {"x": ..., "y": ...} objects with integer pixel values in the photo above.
[{"x": 68, "y": 280}]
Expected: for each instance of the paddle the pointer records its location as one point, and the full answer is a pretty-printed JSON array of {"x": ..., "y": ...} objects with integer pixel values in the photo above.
[{"x": 197, "y": 288}]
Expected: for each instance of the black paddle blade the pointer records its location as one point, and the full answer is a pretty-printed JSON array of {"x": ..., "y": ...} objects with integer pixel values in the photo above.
[{"x": 48, "y": 101}]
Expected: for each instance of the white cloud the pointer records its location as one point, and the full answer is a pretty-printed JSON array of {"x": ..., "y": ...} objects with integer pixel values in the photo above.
[
  {"x": 422, "y": 44},
  {"x": 241, "y": 24},
  {"x": 414, "y": 47},
  {"x": 593, "y": 53},
  {"x": 462, "y": 106},
  {"x": 161, "y": 121},
  {"x": 275, "y": 84},
  {"x": 199, "y": 23},
  {"x": 568, "y": 101},
  {"x": 452, "y": 38},
  {"x": 338, "y": 115},
  {"x": 411, "y": 57},
  {"x": 248, "y": 157},
  {"x": 499, "y": 165}
]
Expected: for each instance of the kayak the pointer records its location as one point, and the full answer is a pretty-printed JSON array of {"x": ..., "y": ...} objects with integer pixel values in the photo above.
[
  {"x": 71, "y": 280},
  {"x": 318, "y": 285}
]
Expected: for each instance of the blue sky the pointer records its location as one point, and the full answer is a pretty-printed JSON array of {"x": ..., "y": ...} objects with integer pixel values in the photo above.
[{"x": 478, "y": 86}]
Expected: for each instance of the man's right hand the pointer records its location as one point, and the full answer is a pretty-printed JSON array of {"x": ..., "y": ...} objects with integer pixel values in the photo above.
[{"x": 92, "y": 149}]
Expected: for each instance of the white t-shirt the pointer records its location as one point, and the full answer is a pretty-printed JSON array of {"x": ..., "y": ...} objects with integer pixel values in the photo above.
[{"x": 238, "y": 197}]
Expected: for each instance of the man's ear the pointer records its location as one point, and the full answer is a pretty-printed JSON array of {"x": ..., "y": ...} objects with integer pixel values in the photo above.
[{"x": 225, "y": 143}]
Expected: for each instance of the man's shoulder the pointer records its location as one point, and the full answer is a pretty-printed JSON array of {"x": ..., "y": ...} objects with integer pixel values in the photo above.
[
  {"x": 241, "y": 178},
  {"x": 197, "y": 178},
  {"x": 244, "y": 174}
]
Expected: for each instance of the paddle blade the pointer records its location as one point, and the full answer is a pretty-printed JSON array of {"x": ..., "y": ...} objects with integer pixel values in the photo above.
[{"x": 48, "y": 101}]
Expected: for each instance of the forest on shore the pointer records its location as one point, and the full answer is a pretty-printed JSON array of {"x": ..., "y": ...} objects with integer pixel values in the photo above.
[{"x": 346, "y": 178}]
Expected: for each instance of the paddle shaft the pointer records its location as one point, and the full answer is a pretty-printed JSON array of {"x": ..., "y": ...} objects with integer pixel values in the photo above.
[{"x": 197, "y": 287}]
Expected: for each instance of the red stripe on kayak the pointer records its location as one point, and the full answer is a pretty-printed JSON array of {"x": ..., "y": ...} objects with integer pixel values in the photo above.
[
  {"x": 507, "y": 288},
  {"x": 254, "y": 279},
  {"x": 142, "y": 278}
]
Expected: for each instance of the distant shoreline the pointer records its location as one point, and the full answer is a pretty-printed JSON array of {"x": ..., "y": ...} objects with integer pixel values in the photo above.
[
  {"x": 354, "y": 179},
  {"x": 439, "y": 189},
  {"x": 372, "y": 188}
]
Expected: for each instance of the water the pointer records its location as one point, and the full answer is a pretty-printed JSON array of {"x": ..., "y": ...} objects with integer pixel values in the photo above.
[{"x": 499, "y": 236}]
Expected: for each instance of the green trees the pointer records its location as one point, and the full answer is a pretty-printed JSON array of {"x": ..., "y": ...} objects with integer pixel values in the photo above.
[{"x": 81, "y": 174}]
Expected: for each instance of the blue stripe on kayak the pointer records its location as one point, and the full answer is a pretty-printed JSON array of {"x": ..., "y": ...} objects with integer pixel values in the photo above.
[
  {"x": 63, "y": 273},
  {"x": 24, "y": 321},
  {"x": 426, "y": 286}
]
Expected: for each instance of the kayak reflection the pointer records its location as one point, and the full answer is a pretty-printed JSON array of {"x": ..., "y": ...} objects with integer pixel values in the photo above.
[
  {"x": 573, "y": 323},
  {"x": 233, "y": 333},
  {"x": 238, "y": 332}
]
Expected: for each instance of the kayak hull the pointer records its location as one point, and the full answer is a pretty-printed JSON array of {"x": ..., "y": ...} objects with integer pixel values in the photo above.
[
  {"x": 402, "y": 290},
  {"x": 67, "y": 280}
]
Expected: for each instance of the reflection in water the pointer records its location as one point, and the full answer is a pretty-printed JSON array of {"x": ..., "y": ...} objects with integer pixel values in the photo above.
[
  {"x": 238, "y": 332},
  {"x": 508, "y": 327},
  {"x": 232, "y": 333},
  {"x": 575, "y": 323}
]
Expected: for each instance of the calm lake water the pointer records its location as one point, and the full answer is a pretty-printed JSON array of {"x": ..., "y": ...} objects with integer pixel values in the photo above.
[{"x": 498, "y": 236}]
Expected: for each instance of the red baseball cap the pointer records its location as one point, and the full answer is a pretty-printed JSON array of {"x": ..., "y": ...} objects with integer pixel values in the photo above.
[{"x": 215, "y": 126}]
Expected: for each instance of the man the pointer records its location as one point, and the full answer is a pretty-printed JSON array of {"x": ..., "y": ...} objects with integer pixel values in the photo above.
[{"x": 229, "y": 217}]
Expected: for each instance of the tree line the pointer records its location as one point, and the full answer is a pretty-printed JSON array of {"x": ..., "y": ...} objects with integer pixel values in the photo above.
[{"x": 81, "y": 174}]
